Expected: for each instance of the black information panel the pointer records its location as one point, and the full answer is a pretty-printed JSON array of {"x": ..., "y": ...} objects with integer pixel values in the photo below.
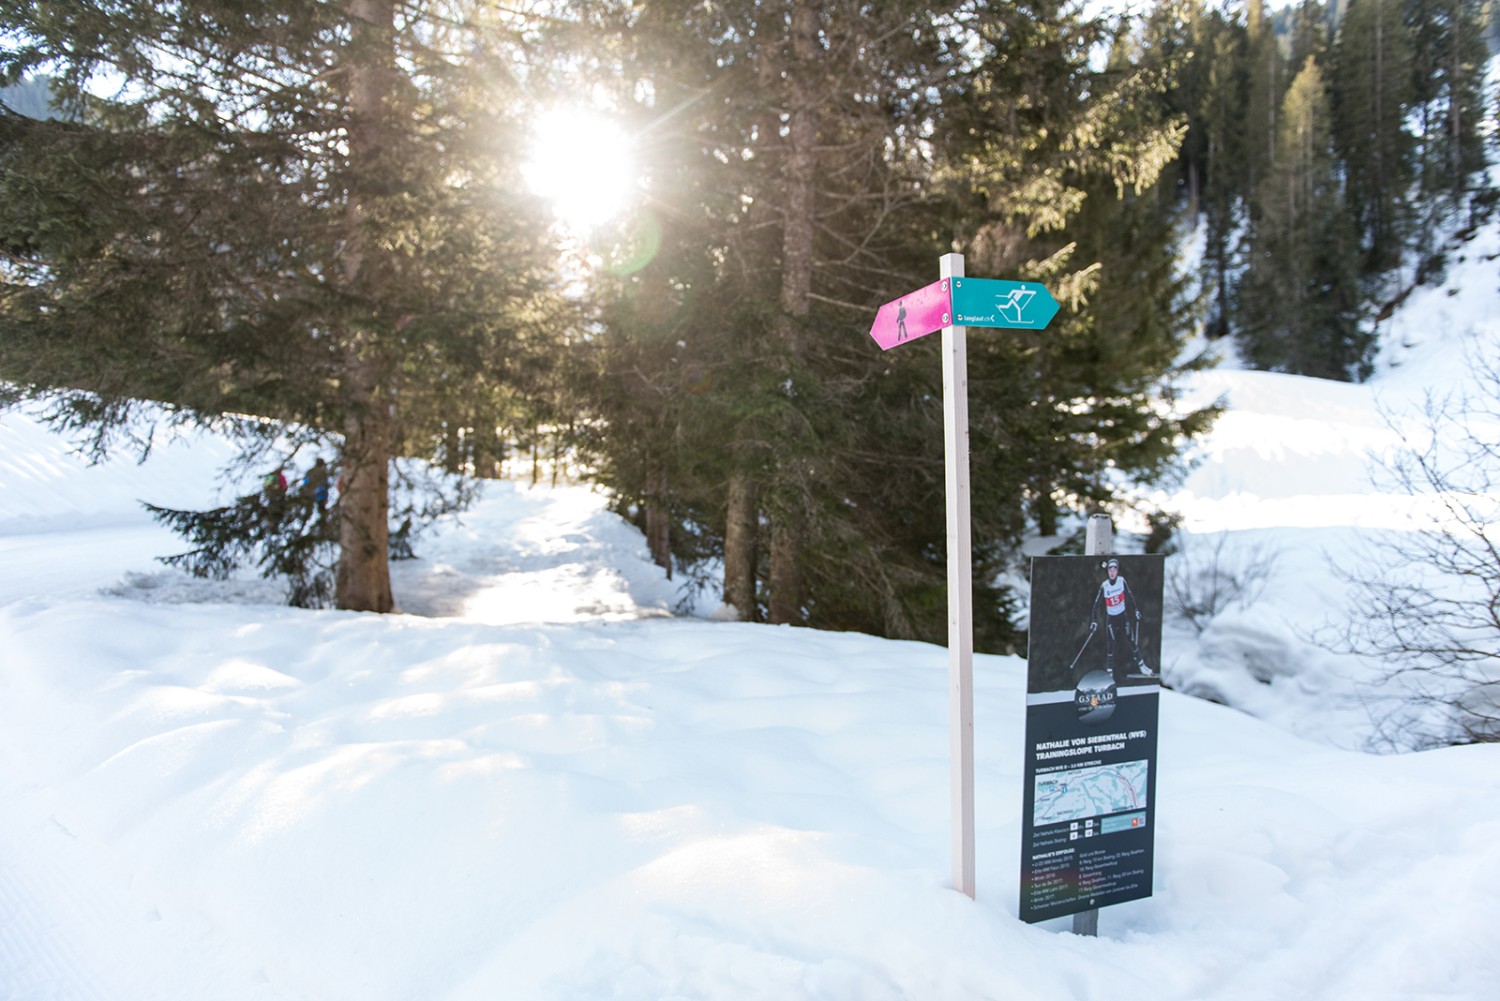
[{"x": 1092, "y": 690}]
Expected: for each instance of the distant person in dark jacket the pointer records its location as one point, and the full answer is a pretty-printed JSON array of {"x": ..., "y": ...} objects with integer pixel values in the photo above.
[{"x": 315, "y": 484}]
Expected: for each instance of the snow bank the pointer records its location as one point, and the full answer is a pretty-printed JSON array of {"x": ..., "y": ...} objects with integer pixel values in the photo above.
[
  {"x": 50, "y": 485},
  {"x": 241, "y": 802}
]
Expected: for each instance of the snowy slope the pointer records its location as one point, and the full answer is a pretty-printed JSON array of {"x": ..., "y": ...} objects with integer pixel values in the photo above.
[
  {"x": 233, "y": 803},
  {"x": 539, "y": 783},
  {"x": 1294, "y": 477}
]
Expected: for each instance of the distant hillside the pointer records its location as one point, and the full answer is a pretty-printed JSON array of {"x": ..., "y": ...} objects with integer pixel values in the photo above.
[{"x": 31, "y": 98}]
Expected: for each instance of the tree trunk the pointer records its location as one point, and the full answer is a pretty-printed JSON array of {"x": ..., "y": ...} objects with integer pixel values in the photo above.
[
  {"x": 363, "y": 581},
  {"x": 489, "y": 452},
  {"x": 363, "y": 578},
  {"x": 800, "y": 173},
  {"x": 453, "y": 458},
  {"x": 659, "y": 536},
  {"x": 784, "y": 603},
  {"x": 659, "y": 525},
  {"x": 739, "y": 547},
  {"x": 1046, "y": 509}
]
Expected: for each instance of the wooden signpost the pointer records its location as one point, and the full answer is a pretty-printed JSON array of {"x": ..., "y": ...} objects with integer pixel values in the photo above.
[{"x": 952, "y": 304}]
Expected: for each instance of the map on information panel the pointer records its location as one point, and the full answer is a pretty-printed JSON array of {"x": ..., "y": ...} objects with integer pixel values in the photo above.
[{"x": 1090, "y": 792}]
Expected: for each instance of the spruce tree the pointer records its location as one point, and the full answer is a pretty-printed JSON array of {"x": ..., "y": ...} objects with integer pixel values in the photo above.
[
  {"x": 737, "y": 356},
  {"x": 1181, "y": 33},
  {"x": 1266, "y": 86},
  {"x": 1079, "y": 400},
  {"x": 302, "y": 211},
  {"x": 744, "y": 391},
  {"x": 1370, "y": 82},
  {"x": 1300, "y": 302},
  {"x": 1448, "y": 61},
  {"x": 1212, "y": 52},
  {"x": 288, "y": 534},
  {"x": 1310, "y": 32},
  {"x": 1221, "y": 118}
]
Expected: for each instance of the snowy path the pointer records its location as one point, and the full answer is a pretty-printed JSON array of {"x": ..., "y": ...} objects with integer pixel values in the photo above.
[{"x": 77, "y": 563}]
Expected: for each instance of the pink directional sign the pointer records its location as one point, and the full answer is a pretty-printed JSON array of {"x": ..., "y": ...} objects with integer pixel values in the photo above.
[{"x": 914, "y": 315}]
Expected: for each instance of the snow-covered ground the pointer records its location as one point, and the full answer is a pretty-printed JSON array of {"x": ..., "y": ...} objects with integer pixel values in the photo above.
[
  {"x": 1295, "y": 480},
  {"x": 540, "y": 783}
]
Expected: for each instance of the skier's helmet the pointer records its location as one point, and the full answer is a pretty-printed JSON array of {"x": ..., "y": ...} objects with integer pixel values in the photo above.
[{"x": 1112, "y": 565}]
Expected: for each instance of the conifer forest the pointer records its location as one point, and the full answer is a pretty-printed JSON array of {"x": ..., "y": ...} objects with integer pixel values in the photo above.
[{"x": 319, "y": 224}]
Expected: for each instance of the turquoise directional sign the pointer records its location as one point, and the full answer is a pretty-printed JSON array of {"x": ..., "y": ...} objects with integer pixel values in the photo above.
[{"x": 992, "y": 302}]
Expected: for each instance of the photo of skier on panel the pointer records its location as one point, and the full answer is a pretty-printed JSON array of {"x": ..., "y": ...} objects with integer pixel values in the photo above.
[{"x": 1116, "y": 610}]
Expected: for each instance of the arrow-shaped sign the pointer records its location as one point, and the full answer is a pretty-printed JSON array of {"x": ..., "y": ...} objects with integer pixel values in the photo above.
[
  {"x": 914, "y": 315},
  {"x": 990, "y": 302},
  {"x": 966, "y": 302}
]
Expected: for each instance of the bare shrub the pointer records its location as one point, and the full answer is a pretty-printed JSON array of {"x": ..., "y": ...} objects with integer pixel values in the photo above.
[
  {"x": 1204, "y": 579},
  {"x": 1429, "y": 599}
]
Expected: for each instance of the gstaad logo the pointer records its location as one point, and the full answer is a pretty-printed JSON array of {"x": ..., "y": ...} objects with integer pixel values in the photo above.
[{"x": 1095, "y": 697}]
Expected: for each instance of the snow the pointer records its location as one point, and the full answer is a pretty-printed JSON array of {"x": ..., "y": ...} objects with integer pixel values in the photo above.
[{"x": 543, "y": 781}]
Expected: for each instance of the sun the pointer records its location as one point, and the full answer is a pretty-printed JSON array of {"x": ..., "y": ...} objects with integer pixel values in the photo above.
[{"x": 583, "y": 162}]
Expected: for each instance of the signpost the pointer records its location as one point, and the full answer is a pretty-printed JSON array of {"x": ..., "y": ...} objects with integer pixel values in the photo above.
[
  {"x": 984, "y": 303},
  {"x": 1093, "y": 673}
]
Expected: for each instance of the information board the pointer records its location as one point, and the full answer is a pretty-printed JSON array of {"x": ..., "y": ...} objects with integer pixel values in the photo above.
[{"x": 1093, "y": 672}]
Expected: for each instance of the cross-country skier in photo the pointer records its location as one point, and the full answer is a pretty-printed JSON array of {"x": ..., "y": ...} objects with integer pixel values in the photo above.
[{"x": 1121, "y": 617}]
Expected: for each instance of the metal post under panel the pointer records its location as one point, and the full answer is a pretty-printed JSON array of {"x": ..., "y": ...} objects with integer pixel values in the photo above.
[{"x": 1098, "y": 542}]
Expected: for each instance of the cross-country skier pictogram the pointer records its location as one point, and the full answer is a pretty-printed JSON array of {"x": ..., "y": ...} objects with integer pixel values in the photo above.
[
  {"x": 1016, "y": 301},
  {"x": 1122, "y": 621}
]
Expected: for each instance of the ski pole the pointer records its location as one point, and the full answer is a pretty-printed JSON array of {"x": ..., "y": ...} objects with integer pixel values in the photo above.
[{"x": 1081, "y": 649}]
